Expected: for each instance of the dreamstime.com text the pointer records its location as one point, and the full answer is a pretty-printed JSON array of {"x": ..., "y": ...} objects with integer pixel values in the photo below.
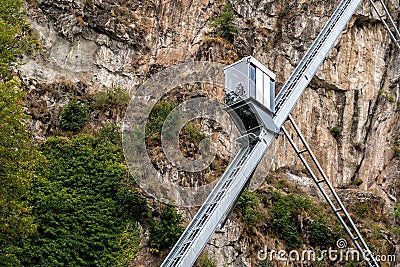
[{"x": 339, "y": 254}]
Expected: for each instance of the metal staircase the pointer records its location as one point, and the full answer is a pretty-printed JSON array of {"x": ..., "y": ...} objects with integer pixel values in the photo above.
[
  {"x": 225, "y": 194},
  {"x": 328, "y": 192},
  {"x": 388, "y": 21}
]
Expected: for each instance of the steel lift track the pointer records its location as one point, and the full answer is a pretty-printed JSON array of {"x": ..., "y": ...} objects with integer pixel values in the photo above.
[
  {"x": 387, "y": 21},
  {"x": 328, "y": 192},
  {"x": 220, "y": 202}
]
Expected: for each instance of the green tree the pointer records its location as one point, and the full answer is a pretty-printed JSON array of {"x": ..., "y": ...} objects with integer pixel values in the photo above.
[
  {"x": 284, "y": 214},
  {"x": 224, "y": 24},
  {"x": 74, "y": 116},
  {"x": 83, "y": 210},
  {"x": 14, "y": 37},
  {"x": 17, "y": 157},
  {"x": 165, "y": 232},
  {"x": 17, "y": 162},
  {"x": 320, "y": 233}
]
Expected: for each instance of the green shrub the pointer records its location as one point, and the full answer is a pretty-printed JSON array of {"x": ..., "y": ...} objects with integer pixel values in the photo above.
[
  {"x": 224, "y": 24},
  {"x": 397, "y": 215},
  {"x": 85, "y": 216},
  {"x": 205, "y": 260},
  {"x": 377, "y": 233},
  {"x": 396, "y": 148},
  {"x": 336, "y": 132},
  {"x": 18, "y": 170},
  {"x": 361, "y": 209},
  {"x": 18, "y": 158},
  {"x": 110, "y": 132},
  {"x": 115, "y": 97},
  {"x": 264, "y": 263},
  {"x": 283, "y": 13},
  {"x": 165, "y": 232},
  {"x": 157, "y": 116},
  {"x": 193, "y": 132},
  {"x": 74, "y": 116},
  {"x": 284, "y": 216},
  {"x": 14, "y": 37},
  {"x": 357, "y": 182},
  {"x": 247, "y": 206},
  {"x": 133, "y": 205},
  {"x": 319, "y": 232}
]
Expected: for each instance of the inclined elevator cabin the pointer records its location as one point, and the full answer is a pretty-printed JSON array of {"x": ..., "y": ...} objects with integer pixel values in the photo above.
[{"x": 250, "y": 96}]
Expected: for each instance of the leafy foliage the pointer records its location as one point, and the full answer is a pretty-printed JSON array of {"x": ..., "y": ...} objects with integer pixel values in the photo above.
[
  {"x": 361, "y": 209},
  {"x": 205, "y": 260},
  {"x": 226, "y": 29},
  {"x": 247, "y": 205},
  {"x": 111, "y": 133},
  {"x": 193, "y": 132},
  {"x": 74, "y": 116},
  {"x": 83, "y": 212},
  {"x": 157, "y": 116},
  {"x": 18, "y": 158},
  {"x": 14, "y": 38},
  {"x": 397, "y": 215},
  {"x": 336, "y": 132},
  {"x": 285, "y": 212},
  {"x": 17, "y": 165},
  {"x": 165, "y": 232},
  {"x": 357, "y": 182},
  {"x": 115, "y": 97},
  {"x": 319, "y": 232}
]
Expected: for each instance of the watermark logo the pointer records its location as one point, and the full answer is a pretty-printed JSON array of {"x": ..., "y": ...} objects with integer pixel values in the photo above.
[
  {"x": 342, "y": 253},
  {"x": 341, "y": 243}
]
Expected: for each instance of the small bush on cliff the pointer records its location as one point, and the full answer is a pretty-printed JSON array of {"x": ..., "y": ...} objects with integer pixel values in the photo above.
[
  {"x": 165, "y": 232},
  {"x": 361, "y": 209},
  {"x": 74, "y": 116},
  {"x": 205, "y": 260},
  {"x": 284, "y": 215},
  {"x": 336, "y": 132},
  {"x": 247, "y": 206},
  {"x": 397, "y": 215},
  {"x": 224, "y": 24},
  {"x": 319, "y": 232},
  {"x": 115, "y": 97},
  {"x": 157, "y": 116}
]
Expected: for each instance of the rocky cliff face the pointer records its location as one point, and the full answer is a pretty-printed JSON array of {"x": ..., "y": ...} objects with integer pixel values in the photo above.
[{"x": 349, "y": 113}]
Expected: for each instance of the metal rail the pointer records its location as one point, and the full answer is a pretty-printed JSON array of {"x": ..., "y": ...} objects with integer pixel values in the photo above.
[
  {"x": 389, "y": 25},
  {"x": 330, "y": 195},
  {"x": 305, "y": 71},
  {"x": 219, "y": 203}
]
